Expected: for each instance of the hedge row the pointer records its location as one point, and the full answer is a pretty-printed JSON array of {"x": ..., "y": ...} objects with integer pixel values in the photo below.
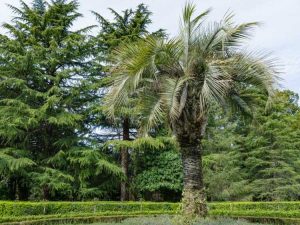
[
  {"x": 238, "y": 206},
  {"x": 51, "y": 211},
  {"x": 257, "y": 213},
  {"x": 52, "y": 208},
  {"x": 78, "y": 216},
  {"x": 71, "y": 220}
]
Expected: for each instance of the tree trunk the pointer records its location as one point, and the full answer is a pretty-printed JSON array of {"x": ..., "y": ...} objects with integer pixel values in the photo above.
[
  {"x": 12, "y": 189},
  {"x": 125, "y": 161},
  {"x": 46, "y": 193},
  {"x": 193, "y": 196}
]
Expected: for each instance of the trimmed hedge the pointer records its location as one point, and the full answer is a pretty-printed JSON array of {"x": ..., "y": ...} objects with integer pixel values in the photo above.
[
  {"x": 79, "y": 216},
  {"x": 255, "y": 206},
  {"x": 35, "y": 212},
  {"x": 257, "y": 213},
  {"x": 256, "y": 209},
  {"x": 51, "y": 208},
  {"x": 77, "y": 220}
]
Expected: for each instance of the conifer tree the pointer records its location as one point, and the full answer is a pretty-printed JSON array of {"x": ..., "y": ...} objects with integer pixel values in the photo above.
[
  {"x": 272, "y": 149},
  {"x": 128, "y": 26},
  {"x": 224, "y": 178},
  {"x": 44, "y": 96}
]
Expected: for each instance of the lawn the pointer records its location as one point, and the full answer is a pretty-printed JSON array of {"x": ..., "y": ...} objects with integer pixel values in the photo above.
[{"x": 165, "y": 220}]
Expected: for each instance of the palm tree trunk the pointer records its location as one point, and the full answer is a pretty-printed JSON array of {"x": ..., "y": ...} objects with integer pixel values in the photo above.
[
  {"x": 125, "y": 161},
  {"x": 193, "y": 196}
]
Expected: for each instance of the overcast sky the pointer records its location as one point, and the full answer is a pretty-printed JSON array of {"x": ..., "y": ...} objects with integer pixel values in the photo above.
[{"x": 279, "y": 33}]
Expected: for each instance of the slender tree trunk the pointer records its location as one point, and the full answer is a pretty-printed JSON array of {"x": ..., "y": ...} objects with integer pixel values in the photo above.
[
  {"x": 193, "y": 196},
  {"x": 12, "y": 189},
  {"x": 46, "y": 193},
  {"x": 125, "y": 161}
]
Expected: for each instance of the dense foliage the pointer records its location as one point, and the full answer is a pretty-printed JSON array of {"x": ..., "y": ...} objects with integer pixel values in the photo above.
[
  {"x": 258, "y": 161},
  {"x": 45, "y": 96},
  {"x": 55, "y": 138}
]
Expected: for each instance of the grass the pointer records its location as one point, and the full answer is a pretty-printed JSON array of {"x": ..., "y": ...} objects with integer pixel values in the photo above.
[{"x": 165, "y": 220}]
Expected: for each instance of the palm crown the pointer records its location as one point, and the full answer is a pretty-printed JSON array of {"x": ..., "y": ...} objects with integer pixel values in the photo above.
[{"x": 180, "y": 78}]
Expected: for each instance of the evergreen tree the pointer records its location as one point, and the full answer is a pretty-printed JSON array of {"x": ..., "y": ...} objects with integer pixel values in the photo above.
[
  {"x": 44, "y": 97},
  {"x": 224, "y": 178},
  {"x": 127, "y": 27},
  {"x": 272, "y": 150}
]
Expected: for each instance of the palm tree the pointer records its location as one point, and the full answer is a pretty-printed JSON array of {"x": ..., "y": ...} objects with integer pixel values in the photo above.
[{"x": 177, "y": 80}]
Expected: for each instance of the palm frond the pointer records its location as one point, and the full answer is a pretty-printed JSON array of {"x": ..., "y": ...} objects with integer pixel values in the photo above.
[
  {"x": 189, "y": 26},
  {"x": 174, "y": 96},
  {"x": 233, "y": 35},
  {"x": 132, "y": 63},
  {"x": 152, "y": 112}
]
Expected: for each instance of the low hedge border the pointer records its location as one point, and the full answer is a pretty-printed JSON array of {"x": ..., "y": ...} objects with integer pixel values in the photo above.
[
  {"x": 73, "y": 220},
  {"x": 273, "y": 206},
  {"x": 257, "y": 213},
  {"x": 30, "y": 212},
  {"x": 51, "y": 208},
  {"x": 90, "y": 219},
  {"x": 81, "y": 215}
]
